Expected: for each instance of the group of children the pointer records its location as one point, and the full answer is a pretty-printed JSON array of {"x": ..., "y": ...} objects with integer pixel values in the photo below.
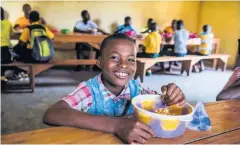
[{"x": 23, "y": 50}]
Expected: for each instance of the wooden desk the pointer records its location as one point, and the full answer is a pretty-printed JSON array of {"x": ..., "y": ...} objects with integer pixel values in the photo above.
[{"x": 224, "y": 116}]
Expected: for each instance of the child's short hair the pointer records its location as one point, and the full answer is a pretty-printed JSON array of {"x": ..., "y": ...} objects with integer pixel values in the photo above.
[
  {"x": 34, "y": 16},
  {"x": 174, "y": 21},
  {"x": 2, "y": 14},
  {"x": 180, "y": 24},
  {"x": 26, "y": 5},
  {"x": 127, "y": 18},
  {"x": 84, "y": 12},
  {"x": 114, "y": 37},
  {"x": 205, "y": 28}
]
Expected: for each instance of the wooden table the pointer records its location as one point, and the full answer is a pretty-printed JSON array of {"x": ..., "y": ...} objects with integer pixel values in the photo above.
[{"x": 224, "y": 116}]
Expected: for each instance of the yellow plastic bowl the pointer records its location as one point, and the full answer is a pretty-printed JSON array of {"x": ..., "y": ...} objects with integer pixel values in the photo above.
[{"x": 164, "y": 126}]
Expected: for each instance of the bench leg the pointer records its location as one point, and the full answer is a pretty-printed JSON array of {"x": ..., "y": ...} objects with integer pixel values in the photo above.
[
  {"x": 186, "y": 66},
  {"x": 222, "y": 63},
  {"x": 140, "y": 71},
  {"x": 32, "y": 78},
  {"x": 92, "y": 55}
]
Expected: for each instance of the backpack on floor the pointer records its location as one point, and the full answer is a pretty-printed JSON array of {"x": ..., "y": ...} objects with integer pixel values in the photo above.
[{"x": 42, "y": 46}]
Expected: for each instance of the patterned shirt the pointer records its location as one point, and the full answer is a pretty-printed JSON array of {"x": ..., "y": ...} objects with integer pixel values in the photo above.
[
  {"x": 82, "y": 97},
  {"x": 124, "y": 29},
  {"x": 206, "y": 43}
]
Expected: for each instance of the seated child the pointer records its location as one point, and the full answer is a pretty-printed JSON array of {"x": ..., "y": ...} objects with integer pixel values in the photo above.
[
  {"x": 206, "y": 43},
  {"x": 24, "y": 21},
  {"x": 180, "y": 41},
  {"x": 102, "y": 102},
  {"x": 89, "y": 27},
  {"x": 169, "y": 31},
  {"x": 127, "y": 28},
  {"x": 151, "y": 45},
  {"x": 6, "y": 31},
  {"x": 24, "y": 48},
  {"x": 232, "y": 88}
]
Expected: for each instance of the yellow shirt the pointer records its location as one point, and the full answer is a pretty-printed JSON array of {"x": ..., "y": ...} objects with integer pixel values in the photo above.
[
  {"x": 152, "y": 43},
  {"x": 169, "y": 29},
  {"x": 22, "y": 22},
  {"x": 25, "y": 36},
  {"x": 6, "y": 30}
]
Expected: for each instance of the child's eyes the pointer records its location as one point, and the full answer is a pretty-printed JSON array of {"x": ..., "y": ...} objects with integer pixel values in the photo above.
[
  {"x": 114, "y": 58},
  {"x": 131, "y": 60}
]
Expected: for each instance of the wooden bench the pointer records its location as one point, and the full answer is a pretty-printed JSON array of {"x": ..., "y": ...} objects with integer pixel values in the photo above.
[
  {"x": 36, "y": 68},
  {"x": 187, "y": 63}
]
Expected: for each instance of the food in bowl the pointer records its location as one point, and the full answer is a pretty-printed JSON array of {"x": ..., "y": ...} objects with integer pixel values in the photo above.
[
  {"x": 164, "y": 111},
  {"x": 165, "y": 125}
]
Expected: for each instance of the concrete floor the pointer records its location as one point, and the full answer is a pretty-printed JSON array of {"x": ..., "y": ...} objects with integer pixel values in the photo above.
[{"x": 23, "y": 111}]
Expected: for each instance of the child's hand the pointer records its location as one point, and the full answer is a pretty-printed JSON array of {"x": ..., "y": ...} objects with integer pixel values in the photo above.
[
  {"x": 173, "y": 95},
  {"x": 133, "y": 131}
]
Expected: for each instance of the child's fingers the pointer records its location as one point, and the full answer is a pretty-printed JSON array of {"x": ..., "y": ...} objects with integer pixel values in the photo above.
[
  {"x": 144, "y": 134},
  {"x": 170, "y": 88},
  {"x": 176, "y": 99},
  {"x": 173, "y": 95},
  {"x": 146, "y": 128},
  {"x": 164, "y": 90},
  {"x": 139, "y": 139},
  {"x": 182, "y": 102}
]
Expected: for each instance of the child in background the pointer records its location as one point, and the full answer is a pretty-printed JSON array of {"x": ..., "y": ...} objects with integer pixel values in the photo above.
[
  {"x": 24, "y": 21},
  {"x": 127, "y": 28},
  {"x": 151, "y": 44},
  {"x": 169, "y": 31},
  {"x": 103, "y": 102},
  {"x": 206, "y": 43},
  {"x": 146, "y": 30},
  {"x": 89, "y": 27},
  {"x": 180, "y": 41},
  {"x": 24, "y": 48},
  {"x": 6, "y": 31}
]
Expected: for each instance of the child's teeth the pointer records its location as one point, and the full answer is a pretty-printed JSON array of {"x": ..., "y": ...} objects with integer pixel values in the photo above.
[{"x": 121, "y": 74}]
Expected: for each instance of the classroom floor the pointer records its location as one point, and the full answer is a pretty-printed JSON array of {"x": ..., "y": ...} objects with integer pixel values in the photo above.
[{"x": 23, "y": 111}]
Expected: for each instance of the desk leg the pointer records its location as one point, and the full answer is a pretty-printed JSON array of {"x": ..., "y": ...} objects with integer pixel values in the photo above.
[
  {"x": 140, "y": 71},
  {"x": 32, "y": 78},
  {"x": 92, "y": 55},
  {"x": 222, "y": 63},
  {"x": 186, "y": 66}
]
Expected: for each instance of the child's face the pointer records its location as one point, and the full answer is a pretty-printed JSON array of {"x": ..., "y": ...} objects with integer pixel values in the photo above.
[
  {"x": 118, "y": 62},
  {"x": 27, "y": 9}
]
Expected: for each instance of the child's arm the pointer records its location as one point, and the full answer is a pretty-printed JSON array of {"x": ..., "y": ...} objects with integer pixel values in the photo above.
[
  {"x": 102, "y": 31},
  {"x": 129, "y": 130}
]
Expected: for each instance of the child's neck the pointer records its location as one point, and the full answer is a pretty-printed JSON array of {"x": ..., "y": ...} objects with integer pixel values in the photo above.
[{"x": 116, "y": 90}]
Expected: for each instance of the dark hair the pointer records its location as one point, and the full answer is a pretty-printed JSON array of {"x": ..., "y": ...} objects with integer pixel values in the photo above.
[
  {"x": 2, "y": 14},
  {"x": 205, "y": 28},
  {"x": 180, "y": 24},
  {"x": 174, "y": 21},
  {"x": 84, "y": 12},
  {"x": 153, "y": 26},
  {"x": 114, "y": 37},
  {"x": 127, "y": 18},
  {"x": 150, "y": 20},
  {"x": 34, "y": 16},
  {"x": 26, "y": 5}
]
